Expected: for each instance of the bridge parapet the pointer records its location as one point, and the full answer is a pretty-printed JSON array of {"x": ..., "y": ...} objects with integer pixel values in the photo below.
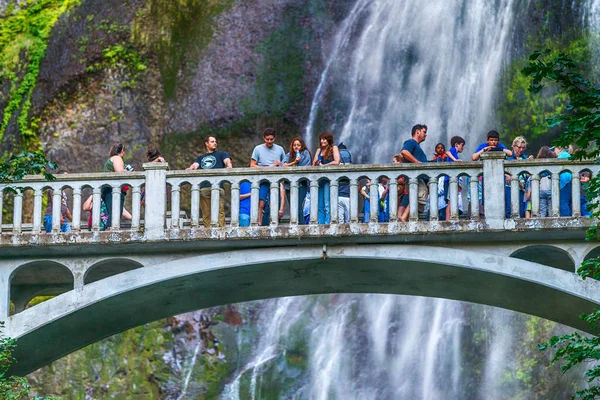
[{"x": 23, "y": 226}]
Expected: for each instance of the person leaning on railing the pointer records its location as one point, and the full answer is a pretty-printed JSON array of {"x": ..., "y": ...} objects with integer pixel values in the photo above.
[
  {"x": 326, "y": 154},
  {"x": 114, "y": 163},
  {"x": 298, "y": 156}
]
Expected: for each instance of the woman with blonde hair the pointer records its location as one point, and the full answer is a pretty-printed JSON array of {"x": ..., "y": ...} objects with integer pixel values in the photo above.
[{"x": 326, "y": 154}]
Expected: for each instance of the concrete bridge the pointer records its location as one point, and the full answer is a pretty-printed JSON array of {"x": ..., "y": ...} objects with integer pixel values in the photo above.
[{"x": 166, "y": 263}]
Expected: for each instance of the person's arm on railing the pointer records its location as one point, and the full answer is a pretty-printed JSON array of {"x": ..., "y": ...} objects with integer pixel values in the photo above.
[
  {"x": 228, "y": 163},
  {"x": 194, "y": 165},
  {"x": 409, "y": 157}
]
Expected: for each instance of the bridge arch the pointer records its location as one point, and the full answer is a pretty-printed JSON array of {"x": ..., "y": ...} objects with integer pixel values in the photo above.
[
  {"x": 100, "y": 309},
  {"x": 109, "y": 267},
  {"x": 551, "y": 256},
  {"x": 51, "y": 279}
]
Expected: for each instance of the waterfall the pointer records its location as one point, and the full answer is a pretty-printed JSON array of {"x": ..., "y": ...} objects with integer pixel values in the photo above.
[{"x": 398, "y": 63}]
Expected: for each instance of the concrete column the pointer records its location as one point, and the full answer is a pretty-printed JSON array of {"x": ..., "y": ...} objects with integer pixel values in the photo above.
[
  {"x": 353, "y": 200},
  {"x": 515, "y": 211},
  {"x": 136, "y": 207},
  {"x": 37, "y": 210},
  {"x": 96, "y": 207},
  {"x": 115, "y": 213},
  {"x": 4, "y": 291},
  {"x": 215, "y": 199},
  {"x": 393, "y": 199},
  {"x": 474, "y": 191},
  {"x": 1, "y": 205},
  {"x": 555, "y": 194},
  {"x": 235, "y": 204},
  {"x": 374, "y": 200},
  {"x": 535, "y": 196},
  {"x": 453, "y": 196},
  {"x": 17, "y": 212},
  {"x": 156, "y": 192},
  {"x": 175, "y": 206},
  {"x": 433, "y": 199},
  {"x": 576, "y": 195},
  {"x": 413, "y": 198},
  {"x": 493, "y": 183},
  {"x": 314, "y": 201},
  {"x": 254, "y": 193},
  {"x": 196, "y": 204},
  {"x": 274, "y": 194},
  {"x": 333, "y": 201},
  {"x": 294, "y": 200},
  {"x": 76, "y": 225},
  {"x": 56, "y": 210}
]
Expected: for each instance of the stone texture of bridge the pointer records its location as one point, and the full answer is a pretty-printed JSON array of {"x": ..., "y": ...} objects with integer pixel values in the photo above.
[{"x": 166, "y": 263}]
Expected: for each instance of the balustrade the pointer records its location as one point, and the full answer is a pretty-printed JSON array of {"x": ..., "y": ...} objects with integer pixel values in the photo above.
[{"x": 468, "y": 187}]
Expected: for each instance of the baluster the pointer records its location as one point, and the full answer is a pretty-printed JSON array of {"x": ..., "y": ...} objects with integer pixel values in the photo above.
[
  {"x": 76, "y": 209},
  {"x": 37, "y": 210},
  {"x": 294, "y": 202},
  {"x": 115, "y": 215},
  {"x": 535, "y": 196},
  {"x": 175, "y": 205},
  {"x": 235, "y": 204},
  {"x": 393, "y": 199},
  {"x": 334, "y": 206},
  {"x": 555, "y": 194},
  {"x": 215, "y": 201},
  {"x": 196, "y": 204},
  {"x": 136, "y": 205},
  {"x": 413, "y": 193},
  {"x": 374, "y": 201},
  {"x": 474, "y": 194},
  {"x": 56, "y": 210},
  {"x": 96, "y": 206},
  {"x": 274, "y": 194},
  {"x": 17, "y": 211},
  {"x": 453, "y": 198},
  {"x": 254, "y": 193},
  {"x": 515, "y": 211},
  {"x": 576, "y": 195},
  {"x": 353, "y": 200},
  {"x": 314, "y": 201},
  {"x": 433, "y": 200}
]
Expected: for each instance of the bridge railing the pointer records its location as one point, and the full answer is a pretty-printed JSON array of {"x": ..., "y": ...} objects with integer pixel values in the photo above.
[{"x": 482, "y": 188}]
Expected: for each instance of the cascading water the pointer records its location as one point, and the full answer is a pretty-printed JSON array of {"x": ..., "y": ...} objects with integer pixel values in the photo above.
[
  {"x": 397, "y": 63},
  {"x": 392, "y": 64}
]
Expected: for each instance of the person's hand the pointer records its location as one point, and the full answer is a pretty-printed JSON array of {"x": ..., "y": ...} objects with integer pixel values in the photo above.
[
  {"x": 530, "y": 158},
  {"x": 297, "y": 160},
  {"x": 280, "y": 213},
  {"x": 276, "y": 163}
]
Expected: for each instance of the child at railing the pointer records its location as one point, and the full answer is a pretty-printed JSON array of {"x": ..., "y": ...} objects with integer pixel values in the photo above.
[
  {"x": 65, "y": 213},
  {"x": 545, "y": 184}
]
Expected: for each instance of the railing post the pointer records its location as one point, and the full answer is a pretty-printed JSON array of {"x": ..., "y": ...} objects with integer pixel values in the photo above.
[
  {"x": 156, "y": 193},
  {"x": 18, "y": 211},
  {"x": 334, "y": 203},
  {"x": 254, "y": 201},
  {"x": 555, "y": 194},
  {"x": 474, "y": 194},
  {"x": 215, "y": 201},
  {"x": 433, "y": 199},
  {"x": 576, "y": 195},
  {"x": 353, "y": 200},
  {"x": 115, "y": 213},
  {"x": 453, "y": 197},
  {"x": 56, "y": 210},
  {"x": 515, "y": 207},
  {"x": 37, "y": 210},
  {"x": 413, "y": 198},
  {"x": 493, "y": 186},
  {"x": 136, "y": 207},
  {"x": 76, "y": 226},
  {"x": 314, "y": 201},
  {"x": 1, "y": 205},
  {"x": 393, "y": 199},
  {"x": 294, "y": 200},
  {"x": 535, "y": 196},
  {"x": 235, "y": 204},
  {"x": 374, "y": 200},
  {"x": 196, "y": 204},
  {"x": 175, "y": 207},
  {"x": 96, "y": 207},
  {"x": 274, "y": 194}
]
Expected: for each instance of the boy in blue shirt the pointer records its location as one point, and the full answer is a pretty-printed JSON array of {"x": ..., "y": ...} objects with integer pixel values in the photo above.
[
  {"x": 492, "y": 144},
  {"x": 457, "y": 145}
]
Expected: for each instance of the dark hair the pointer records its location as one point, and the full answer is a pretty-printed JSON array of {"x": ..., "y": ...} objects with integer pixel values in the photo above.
[
  {"x": 545, "y": 152},
  {"x": 153, "y": 154},
  {"x": 327, "y": 152},
  {"x": 302, "y": 147},
  {"x": 416, "y": 128},
  {"x": 269, "y": 132},
  {"x": 115, "y": 150},
  {"x": 456, "y": 140},
  {"x": 440, "y": 143},
  {"x": 493, "y": 135},
  {"x": 207, "y": 138}
]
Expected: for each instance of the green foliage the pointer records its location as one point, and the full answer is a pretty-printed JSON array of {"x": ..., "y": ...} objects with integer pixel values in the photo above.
[
  {"x": 24, "y": 34},
  {"x": 177, "y": 31},
  {"x": 122, "y": 56},
  {"x": 580, "y": 122},
  {"x": 23, "y": 164},
  {"x": 11, "y": 387}
]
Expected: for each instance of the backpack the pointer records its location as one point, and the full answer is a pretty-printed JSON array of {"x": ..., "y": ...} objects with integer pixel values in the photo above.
[{"x": 345, "y": 155}]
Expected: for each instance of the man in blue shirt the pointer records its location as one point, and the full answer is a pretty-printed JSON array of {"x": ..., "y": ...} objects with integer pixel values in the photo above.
[{"x": 413, "y": 153}]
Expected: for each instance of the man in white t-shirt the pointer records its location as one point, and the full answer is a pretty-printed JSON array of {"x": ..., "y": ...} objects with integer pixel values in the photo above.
[{"x": 267, "y": 154}]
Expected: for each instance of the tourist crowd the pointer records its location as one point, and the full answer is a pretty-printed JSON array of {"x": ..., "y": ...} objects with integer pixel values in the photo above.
[{"x": 270, "y": 154}]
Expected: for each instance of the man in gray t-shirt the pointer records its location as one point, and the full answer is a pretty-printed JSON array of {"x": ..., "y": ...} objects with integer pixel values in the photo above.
[{"x": 267, "y": 154}]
